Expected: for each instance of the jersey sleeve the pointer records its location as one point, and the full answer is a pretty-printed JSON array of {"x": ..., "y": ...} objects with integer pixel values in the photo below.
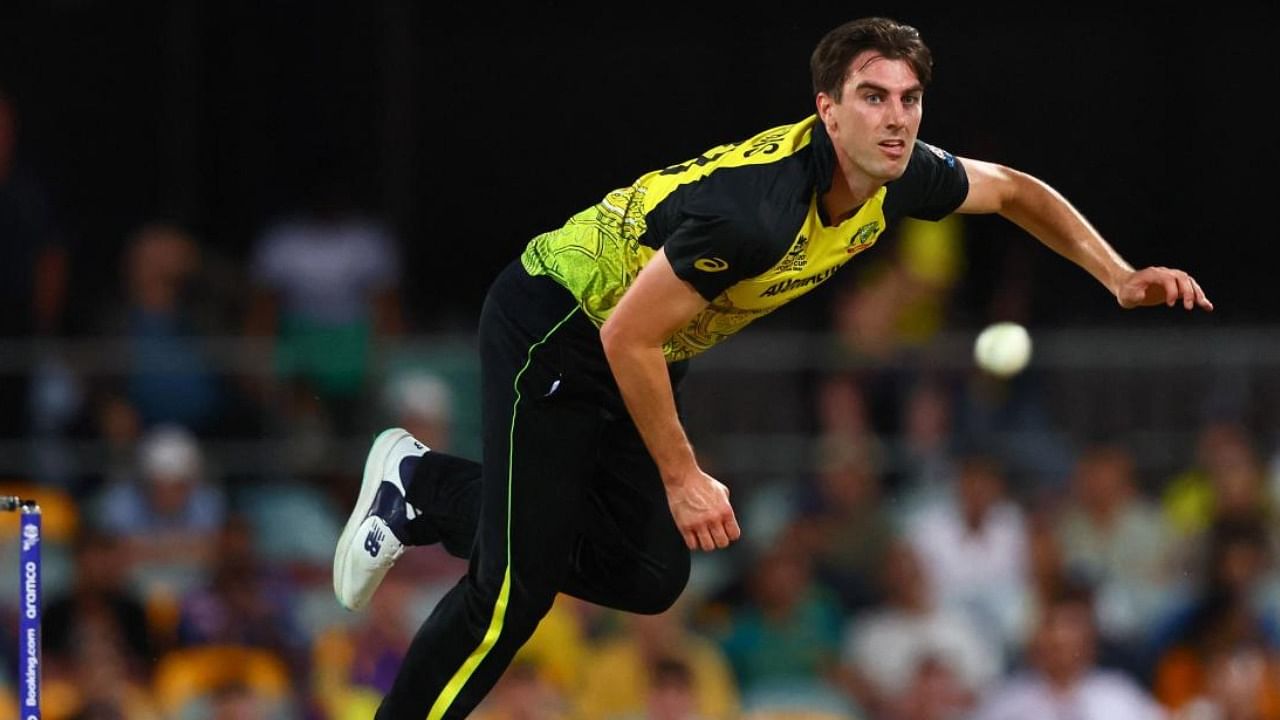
[
  {"x": 715, "y": 247},
  {"x": 934, "y": 185}
]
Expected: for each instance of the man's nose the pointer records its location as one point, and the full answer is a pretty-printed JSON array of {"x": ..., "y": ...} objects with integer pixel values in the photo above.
[{"x": 897, "y": 115}]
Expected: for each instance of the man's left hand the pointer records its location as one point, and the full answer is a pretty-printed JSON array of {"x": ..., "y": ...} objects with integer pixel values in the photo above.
[{"x": 1161, "y": 285}]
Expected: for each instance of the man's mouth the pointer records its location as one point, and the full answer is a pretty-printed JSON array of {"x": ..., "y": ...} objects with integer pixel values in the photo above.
[{"x": 893, "y": 148}]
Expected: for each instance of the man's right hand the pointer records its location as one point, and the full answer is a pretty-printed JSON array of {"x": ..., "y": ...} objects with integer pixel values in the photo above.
[{"x": 700, "y": 506}]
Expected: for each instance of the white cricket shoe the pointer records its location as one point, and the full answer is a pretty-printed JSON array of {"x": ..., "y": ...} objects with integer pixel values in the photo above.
[{"x": 373, "y": 538}]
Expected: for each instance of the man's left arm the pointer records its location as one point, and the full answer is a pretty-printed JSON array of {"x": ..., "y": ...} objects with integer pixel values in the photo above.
[{"x": 1042, "y": 211}]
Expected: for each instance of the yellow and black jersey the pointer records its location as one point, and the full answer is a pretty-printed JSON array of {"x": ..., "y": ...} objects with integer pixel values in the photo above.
[{"x": 742, "y": 223}]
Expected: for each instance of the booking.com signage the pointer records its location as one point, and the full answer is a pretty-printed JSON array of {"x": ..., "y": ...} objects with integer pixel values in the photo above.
[{"x": 29, "y": 623}]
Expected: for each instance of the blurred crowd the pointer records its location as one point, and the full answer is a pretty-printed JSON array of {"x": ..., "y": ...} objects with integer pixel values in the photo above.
[{"x": 940, "y": 553}]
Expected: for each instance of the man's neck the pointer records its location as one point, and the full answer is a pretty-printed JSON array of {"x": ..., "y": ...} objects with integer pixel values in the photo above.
[
  {"x": 1103, "y": 515},
  {"x": 849, "y": 190},
  {"x": 1064, "y": 683}
]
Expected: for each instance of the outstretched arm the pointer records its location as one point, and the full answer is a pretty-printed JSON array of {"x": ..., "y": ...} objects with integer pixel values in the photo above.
[
  {"x": 656, "y": 305},
  {"x": 1042, "y": 211}
]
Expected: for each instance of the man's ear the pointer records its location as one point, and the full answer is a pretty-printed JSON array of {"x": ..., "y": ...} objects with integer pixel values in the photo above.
[{"x": 825, "y": 105}]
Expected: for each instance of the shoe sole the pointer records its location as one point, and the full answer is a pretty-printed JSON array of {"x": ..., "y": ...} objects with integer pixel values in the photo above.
[{"x": 374, "y": 469}]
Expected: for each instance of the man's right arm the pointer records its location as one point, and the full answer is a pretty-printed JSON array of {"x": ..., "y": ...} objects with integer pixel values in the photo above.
[
  {"x": 1037, "y": 208},
  {"x": 656, "y": 305}
]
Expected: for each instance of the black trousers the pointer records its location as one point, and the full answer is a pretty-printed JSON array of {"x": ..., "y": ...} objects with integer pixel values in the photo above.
[{"x": 567, "y": 500}]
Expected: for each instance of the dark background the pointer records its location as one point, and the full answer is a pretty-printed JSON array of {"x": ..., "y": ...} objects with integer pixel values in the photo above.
[{"x": 472, "y": 129}]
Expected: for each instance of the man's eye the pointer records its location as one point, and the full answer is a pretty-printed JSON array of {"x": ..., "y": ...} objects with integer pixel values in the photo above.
[
  {"x": 911, "y": 100},
  {"x": 874, "y": 99}
]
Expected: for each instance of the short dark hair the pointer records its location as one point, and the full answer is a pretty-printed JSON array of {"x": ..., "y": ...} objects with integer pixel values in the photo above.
[
  {"x": 671, "y": 672},
  {"x": 892, "y": 39},
  {"x": 1072, "y": 591}
]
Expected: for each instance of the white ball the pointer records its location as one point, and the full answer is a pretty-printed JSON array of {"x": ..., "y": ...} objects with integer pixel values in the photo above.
[{"x": 1003, "y": 349}]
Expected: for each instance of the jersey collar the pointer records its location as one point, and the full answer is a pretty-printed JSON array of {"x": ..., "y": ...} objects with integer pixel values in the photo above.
[
  {"x": 824, "y": 158},
  {"x": 824, "y": 165}
]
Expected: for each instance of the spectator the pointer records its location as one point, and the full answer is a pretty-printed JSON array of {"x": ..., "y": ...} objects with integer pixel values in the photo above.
[
  {"x": 844, "y": 411},
  {"x": 927, "y": 465},
  {"x": 912, "y": 642},
  {"x": 656, "y": 658},
  {"x": 974, "y": 548},
  {"x": 1227, "y": 616},
  {"x": 1116, "y": 541},
  {"x": 244, "y": 603},
  {"x": 168, "y": 514},
  {"x": 119, "y": 428},
  {"x": 326, "y": 287},
  {"x": 847, "y": 529},
  {"x": 1240, "y": 684},
  {"x": 785, "y": 640},
  {"x": 1226, "y": 479},
  {"x": 170, "y": 380},
  {"x": 1063, "y": 681},
  {"x": 98, "y": 603},
  {"x": 1010, "y": 419}
]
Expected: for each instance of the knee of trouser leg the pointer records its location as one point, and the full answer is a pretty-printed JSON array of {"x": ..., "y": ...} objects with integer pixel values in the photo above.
[
  {"x": 523, "y": 609},
  {"x": 525, "y": 612},
  {"x": 520, "y": 603},
  {"x": 661, "y": 592}
]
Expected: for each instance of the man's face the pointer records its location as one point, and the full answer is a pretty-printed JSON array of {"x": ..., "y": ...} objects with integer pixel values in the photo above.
[
  {"x": 874, "y": 124},
  {"x": 1063, "y": 644}
]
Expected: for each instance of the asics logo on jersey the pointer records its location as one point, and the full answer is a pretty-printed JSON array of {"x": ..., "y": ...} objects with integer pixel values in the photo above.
[
  {"x": 710, "y": 264},
  {"x": 373, "y": 541}
]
